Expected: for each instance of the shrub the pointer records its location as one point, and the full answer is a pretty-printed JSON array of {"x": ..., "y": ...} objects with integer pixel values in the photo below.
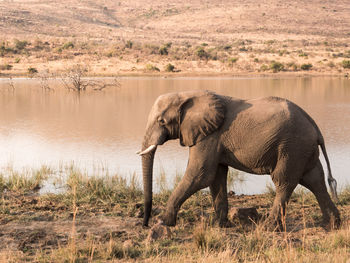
[
  {"x": 306, "y": 66},
  {"x": 129, "y": 44},
  {"x": 6, "y": 67},
  {"x": 17, "y": 60},
  {"x": 292, "y": 66},
  {"x": 20, "y": 45},
  {"x": 202, "y": 53},
  {"x": 4, "y": 49},
  {"x": 276, "y": 66},
  {"x": 169, "y": 68},
  {"x": 302, "y": 53},
  {"x": 346, "y": 63},
  {"x": 283, "y": 52},
  {"x": 68, "y": 45},
  {"x": 32, "y": 70},
  {"x": 264, "y": 67},
  {"x": 59, "y": 49},
  {"x": 163, "y": 51},
  {"x": 38, "y": 44},
  {"x": 151, "y": 67},
  {"x": 270, "y": 42},
  {"x": 232, "y": 61}
]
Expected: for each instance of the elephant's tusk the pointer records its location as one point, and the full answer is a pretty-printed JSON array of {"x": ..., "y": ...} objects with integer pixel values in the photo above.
[{"x": 149, "y": 149}]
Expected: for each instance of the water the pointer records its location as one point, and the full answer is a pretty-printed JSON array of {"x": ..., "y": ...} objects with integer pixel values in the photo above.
[{"x": 103, "y": 130}]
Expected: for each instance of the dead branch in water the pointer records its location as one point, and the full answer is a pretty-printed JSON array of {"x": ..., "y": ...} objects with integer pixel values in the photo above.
[
  {"x": 44, "y": 78},
  {"x": 75, "y": 79},
  {"x": 11, "y": 84}
]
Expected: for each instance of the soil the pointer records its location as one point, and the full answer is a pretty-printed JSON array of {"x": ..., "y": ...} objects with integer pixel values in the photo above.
[{"x": 31, "y": 223}]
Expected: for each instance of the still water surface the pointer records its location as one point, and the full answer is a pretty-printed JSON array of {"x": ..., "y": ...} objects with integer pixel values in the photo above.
[{"x": 103, "y": 130}]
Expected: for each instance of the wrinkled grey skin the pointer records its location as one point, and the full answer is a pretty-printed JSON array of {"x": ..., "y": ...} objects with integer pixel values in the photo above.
[{"x": 260, "y": 136}]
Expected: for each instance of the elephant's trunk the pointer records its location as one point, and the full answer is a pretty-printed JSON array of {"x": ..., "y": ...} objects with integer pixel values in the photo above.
[{"x": 147, "y": 170}]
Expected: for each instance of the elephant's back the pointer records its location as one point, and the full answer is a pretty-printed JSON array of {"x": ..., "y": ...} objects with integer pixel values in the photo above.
[{"x": 261, "y": 127}]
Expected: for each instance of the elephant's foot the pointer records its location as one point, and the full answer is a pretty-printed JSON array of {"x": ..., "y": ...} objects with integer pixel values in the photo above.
[
  {"x": 168, "y": 218},
  {"x": 331, "y": 223}
]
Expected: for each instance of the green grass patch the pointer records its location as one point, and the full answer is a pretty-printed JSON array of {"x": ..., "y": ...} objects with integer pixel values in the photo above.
[
  {"x": 346, "y": 63},
  {"x": 276, "y": 66},
  {"x": 25, "y": 181},
  {"x": 307, "y": 66},
  {"x": 68, "y": 45},
  {"x": 150, "y": 67}
]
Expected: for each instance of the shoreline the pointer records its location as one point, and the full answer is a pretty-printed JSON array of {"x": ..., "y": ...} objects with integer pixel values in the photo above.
[{"x": 249, "y": 75}]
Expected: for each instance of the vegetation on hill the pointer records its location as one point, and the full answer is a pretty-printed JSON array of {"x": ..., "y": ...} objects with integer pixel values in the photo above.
[{"x": 125, "y": 37}]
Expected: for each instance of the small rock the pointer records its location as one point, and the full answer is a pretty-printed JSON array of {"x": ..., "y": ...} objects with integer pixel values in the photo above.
[
  {"x": 158, "y": 231},
  {"x": 244, "y": 214}
]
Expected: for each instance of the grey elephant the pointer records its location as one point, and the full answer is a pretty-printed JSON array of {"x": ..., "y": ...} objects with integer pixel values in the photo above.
[{"x": 260, "y": 136}]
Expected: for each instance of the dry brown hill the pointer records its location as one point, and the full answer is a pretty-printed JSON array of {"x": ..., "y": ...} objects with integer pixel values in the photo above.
[
  {"x": 191, "y": 37},
  {"x": 179, "y": 20}
]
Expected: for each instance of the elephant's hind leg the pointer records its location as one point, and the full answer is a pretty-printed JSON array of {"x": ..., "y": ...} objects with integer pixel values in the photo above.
[
  {"x": 286, "y": 177},
  {"x": 218, "y": 191},
  {"x": 315, "y": 182}
]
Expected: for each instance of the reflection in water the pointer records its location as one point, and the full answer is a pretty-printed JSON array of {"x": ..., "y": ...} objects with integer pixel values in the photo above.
[{"x": 99, "y": 130}]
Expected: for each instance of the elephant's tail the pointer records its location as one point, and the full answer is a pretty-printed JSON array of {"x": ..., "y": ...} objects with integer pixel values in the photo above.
[{"x": 331, "y": 181}]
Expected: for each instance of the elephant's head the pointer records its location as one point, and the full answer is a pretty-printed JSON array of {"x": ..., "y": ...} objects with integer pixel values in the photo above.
[{"x": 189, "y": 116}]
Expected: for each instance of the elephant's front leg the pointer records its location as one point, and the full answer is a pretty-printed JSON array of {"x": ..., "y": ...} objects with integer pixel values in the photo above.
[
  {"x": 218, "y": 191},
  {"x": 200, "y": 173}
]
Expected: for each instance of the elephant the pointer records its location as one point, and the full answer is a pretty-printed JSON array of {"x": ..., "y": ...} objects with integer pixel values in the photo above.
[{"x": 268, "y": 135}]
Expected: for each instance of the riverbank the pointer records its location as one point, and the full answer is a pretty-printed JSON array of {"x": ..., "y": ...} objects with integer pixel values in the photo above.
[
  {"x": 265, "y": 58},
  {"x": 99, "y": 219}
]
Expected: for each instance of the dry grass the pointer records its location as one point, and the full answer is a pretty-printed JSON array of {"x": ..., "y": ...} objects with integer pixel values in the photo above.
[{"x": 97, "y": 219}]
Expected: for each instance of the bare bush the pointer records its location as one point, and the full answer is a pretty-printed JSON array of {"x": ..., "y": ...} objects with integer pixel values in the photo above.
[
  {"x": 44, "y": 78},
  {"x": 11, "y": 84},
  {"x": 75, "y": 79}
]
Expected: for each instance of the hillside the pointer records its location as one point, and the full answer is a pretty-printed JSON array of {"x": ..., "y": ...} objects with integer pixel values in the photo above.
[{"x": 243, "y": 33}]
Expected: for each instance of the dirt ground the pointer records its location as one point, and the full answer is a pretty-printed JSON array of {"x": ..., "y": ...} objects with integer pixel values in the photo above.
[{"x": 30, "y": 224}]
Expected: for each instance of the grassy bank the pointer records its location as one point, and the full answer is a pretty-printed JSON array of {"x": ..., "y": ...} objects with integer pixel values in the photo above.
[
  {"x": 28, "y": 57},
  {"x": 98, "y": 219}
]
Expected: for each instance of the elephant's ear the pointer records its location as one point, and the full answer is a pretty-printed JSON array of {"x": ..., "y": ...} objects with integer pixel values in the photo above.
[{"x": 200, "y": 116}]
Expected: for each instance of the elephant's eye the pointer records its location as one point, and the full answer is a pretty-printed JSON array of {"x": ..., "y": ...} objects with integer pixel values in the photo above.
[{"x": 161, "y": 121}]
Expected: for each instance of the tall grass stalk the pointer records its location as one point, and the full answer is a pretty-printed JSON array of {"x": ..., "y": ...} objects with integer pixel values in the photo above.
[{"x": 73, "y": 246}]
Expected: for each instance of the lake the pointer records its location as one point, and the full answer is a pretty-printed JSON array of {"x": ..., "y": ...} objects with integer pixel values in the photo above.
[{"x": 102, "y": 130}]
